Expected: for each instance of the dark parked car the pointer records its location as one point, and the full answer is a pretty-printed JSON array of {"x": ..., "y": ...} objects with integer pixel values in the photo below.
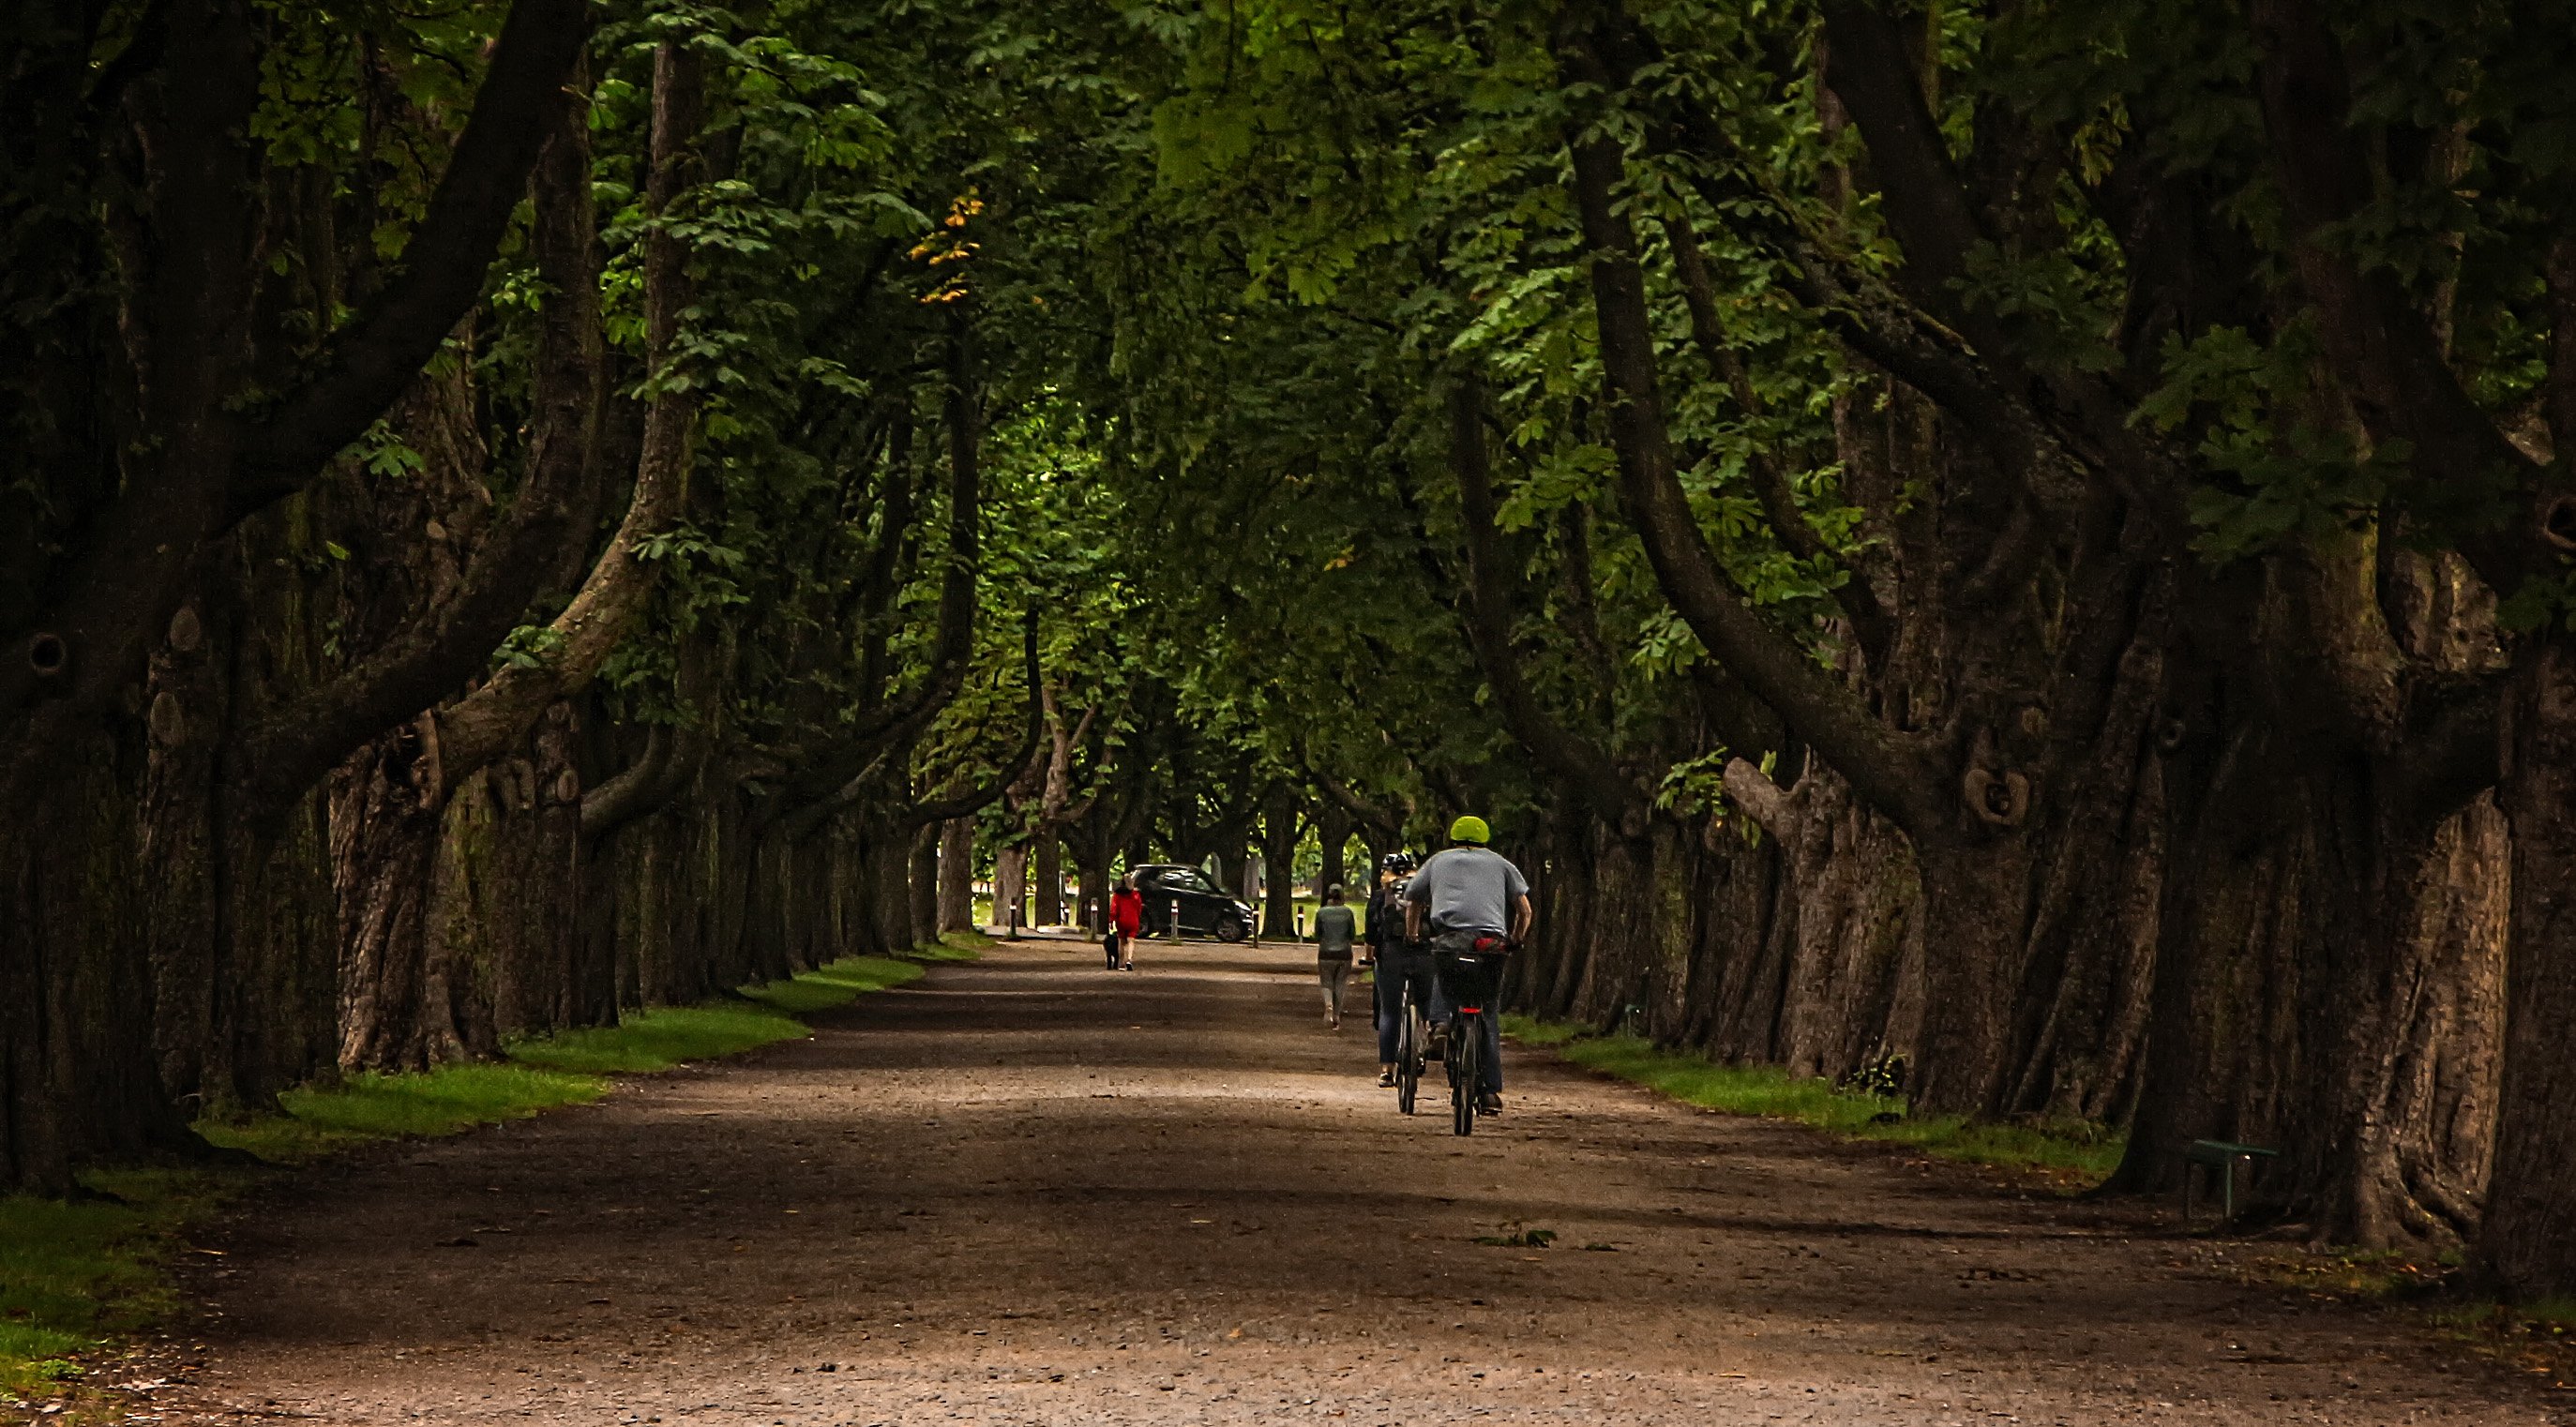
[{"x": 1206, "y": 909}]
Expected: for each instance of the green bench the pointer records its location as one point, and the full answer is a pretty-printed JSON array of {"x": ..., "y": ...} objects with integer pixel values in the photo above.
[{"x": 2222, "y": 1156}]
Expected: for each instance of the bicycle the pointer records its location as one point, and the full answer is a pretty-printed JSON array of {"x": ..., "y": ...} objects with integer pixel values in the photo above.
[
  {"x": 1412, "y": 1035},
  {"x": 1469, "y": 978}
]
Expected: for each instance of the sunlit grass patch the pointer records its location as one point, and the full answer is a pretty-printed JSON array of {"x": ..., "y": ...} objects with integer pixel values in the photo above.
[
  {"x": 384, "y": 1107},
  {"x": 952, "y": 946},
  {"x": 547, "y": 1071},
  {"x": 2075, "y": 1155},
  {"x": 1529, "y": 1031},
  {"x": 644, "y": 1042},
  {"x": 838, "y": 984}
]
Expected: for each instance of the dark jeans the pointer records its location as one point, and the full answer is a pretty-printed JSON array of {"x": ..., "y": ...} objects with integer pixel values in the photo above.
[
  {"x": 1473, "y": 980},
  {"x": 1395, "y": 967}
]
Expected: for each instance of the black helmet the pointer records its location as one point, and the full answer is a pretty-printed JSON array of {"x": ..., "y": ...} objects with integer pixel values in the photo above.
[{"x": 1398, "y": 863}]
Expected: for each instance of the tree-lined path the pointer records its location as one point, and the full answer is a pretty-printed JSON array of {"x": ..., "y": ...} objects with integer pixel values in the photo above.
[{"x": 1026, "y": 1192}]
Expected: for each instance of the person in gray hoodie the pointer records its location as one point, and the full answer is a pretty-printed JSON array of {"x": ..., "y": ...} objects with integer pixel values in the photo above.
[{"x": 1335, "y": 930}]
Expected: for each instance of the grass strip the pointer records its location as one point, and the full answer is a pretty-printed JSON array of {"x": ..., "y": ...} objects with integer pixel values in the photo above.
[
  {"x": 2072, "y": 1156},
  {"x": 75, "y": 1275}
]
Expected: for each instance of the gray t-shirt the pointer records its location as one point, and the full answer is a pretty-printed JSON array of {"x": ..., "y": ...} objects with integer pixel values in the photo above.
[
  {"x": 1468, "y": 889},
  {"x": 1334, "y": 927}
]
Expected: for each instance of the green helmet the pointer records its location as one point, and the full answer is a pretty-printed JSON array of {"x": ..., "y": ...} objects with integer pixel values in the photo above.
[{"x": 1470, "y": 828}]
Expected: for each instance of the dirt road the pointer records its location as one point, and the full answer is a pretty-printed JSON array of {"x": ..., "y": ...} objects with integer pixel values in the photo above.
[{"x": 1029, "y": 1191}]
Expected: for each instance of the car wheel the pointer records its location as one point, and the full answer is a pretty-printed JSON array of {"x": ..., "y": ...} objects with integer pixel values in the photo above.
[{"x": 1231, "y": 929}]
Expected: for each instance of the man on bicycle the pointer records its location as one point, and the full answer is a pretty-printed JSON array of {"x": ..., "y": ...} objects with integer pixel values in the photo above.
[
  {"x": 1471, "y": 903},
  {"x": 1396, "y": 962}
]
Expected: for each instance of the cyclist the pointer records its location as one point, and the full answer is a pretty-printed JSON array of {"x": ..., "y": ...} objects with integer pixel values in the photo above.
[
  {"x": 1396, "y": 962},
  {"x": 1465, "y": 899}
]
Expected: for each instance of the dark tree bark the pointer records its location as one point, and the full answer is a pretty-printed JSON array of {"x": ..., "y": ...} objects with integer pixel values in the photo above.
[
  {"x": 922, "y": 886},
  {"x": 496, "y": 720},
  {"x": 1280, "y": 824},
  {"x": 1333, "y": 832},
  {"x": 2527, "y": 1247},
  {"x": 191, "y": 319},
  {"x": 1046, "y": 875},
  {"x": 957, "y": 875}
]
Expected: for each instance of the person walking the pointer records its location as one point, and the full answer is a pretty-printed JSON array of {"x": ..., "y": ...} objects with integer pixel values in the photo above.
[
  {"x": 1335, "y": 930},
  {"x": 1126, "y": 923}
]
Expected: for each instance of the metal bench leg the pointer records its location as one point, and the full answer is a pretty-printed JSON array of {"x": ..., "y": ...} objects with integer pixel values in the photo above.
[{"x": 2229, "y": 1169}]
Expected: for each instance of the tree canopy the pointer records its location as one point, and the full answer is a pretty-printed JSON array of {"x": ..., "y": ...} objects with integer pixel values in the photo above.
[{"x": 2016, "y": 548}]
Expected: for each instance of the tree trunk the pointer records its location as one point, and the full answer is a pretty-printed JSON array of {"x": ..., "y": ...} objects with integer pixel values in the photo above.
[
  {"x": 513, "y": 855},
  {"x": 235, "y": 913},
  {"x": 399, "y": 1005},
  {"x": 921, "y": 885},
  {"x": 77, "y": 1079},
  {"x": 2326, "y": 977},
  {"x": 1091, "y": 868},
  {"x": 957, "y": 875},
  {"x": 890, "y": 850},
  {"x": 1833, "y": 980},
  {"x": 1279, "y": 827},
  {"x": 1046, "y": 876},
  {"x": 1010, "y": 886},
  {"x": 2529, "y": 1242},
  {"x": 1333, "y": 830}
]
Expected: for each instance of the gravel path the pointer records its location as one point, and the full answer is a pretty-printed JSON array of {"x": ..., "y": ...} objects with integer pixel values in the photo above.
[{"x": 1028, "y": 1191}]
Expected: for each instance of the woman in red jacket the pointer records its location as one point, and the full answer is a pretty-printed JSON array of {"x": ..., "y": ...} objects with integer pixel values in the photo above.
[{"x": 1126, "y": 923}]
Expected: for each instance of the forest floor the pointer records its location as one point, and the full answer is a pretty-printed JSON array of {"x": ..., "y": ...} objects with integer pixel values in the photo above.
[{"x": 1029, "y": 1191}]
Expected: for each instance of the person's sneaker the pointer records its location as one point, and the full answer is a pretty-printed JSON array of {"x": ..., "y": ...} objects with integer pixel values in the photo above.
[
  {"x": 1386, "y": 1080},
  {"x": 1489, "y": 1105}
]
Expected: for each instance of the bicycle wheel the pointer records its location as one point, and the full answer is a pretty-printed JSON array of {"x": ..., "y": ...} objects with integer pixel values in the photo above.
[
  {"x": 1408, "y": 1057},
  {"x": 1465, "y": 1046}
]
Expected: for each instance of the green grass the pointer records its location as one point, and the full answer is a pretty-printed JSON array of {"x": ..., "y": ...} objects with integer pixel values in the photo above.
[
  {"x": 952, "y": 946},
  {"x": 2072, "y": 1155},
  {"x": 2537, "y": 1338},
  {"x": 73, "y": 1276},
  {"x": 362, "y": 1108},
  {"x": 838, "y": 984}
]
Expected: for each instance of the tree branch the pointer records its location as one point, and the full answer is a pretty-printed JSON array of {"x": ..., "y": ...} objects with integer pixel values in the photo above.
[
  {"x": 977, "y": 799},
  {"x": 1870, "y": 72},
  {"x": 367, "y": 363},
  {"x": 442, "y": 647},
  {"x": 1762, "y": 800},
  {"x": 2380, "y": 344},
  {"x": 610, "y": 602},
  {"x": 1579, "y": 769},
  {"x": 844, "y": 780},
  {"x": 671, "y": 757},
  {"x": 1857, "y": 598},
  {"x": 1893, "y": 772}
]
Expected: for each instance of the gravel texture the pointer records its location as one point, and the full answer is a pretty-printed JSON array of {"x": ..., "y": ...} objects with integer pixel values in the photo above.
[{"x": 1030, "y": 1191}]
